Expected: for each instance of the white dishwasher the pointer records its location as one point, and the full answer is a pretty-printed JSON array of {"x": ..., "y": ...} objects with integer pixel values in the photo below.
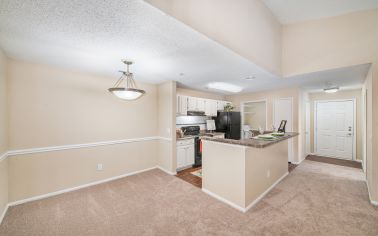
[{"x": 185, "y": 153}]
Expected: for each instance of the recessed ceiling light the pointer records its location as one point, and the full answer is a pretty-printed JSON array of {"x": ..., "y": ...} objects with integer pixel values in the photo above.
[
  {"x": 331, "y": 90},
  {"x": 225, "y": 87},
  {"x": 250, "y": 77}
]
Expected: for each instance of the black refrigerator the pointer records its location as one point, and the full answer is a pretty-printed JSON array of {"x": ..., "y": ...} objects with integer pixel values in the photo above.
[{"x": 228, "y": 123}]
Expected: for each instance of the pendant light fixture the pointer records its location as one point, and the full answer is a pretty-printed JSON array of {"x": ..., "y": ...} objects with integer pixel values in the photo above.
[{"x": 130, "y": 92}]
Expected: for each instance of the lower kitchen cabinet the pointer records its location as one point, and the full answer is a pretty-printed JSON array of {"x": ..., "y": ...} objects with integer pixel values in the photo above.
[{"x": 185, "y": 154}]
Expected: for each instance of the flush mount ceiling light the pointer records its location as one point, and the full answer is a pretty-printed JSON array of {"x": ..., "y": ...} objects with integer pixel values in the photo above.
[
  {"x": 130, "y": 92},
  {"x": 225, "y": 87},
  {"x": 250, "y": 77},
  {"x": 331, "y": 90}
]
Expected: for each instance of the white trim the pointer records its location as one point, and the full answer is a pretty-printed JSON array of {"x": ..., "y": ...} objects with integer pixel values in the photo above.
[
  {"x": 3, "y": 156},
  {"x": 298, "y": 162},
  {"x": 290, "y": 155},
  {"x": 237, "y": 207},
  {"x": 164, "y": 138},
  {"x": 166, "y": 171},
  {"x": 354, "y": 100},
  {"x": 266, "y": 192},
  {"x": 375, "y": 203},
  {"x": 77, "y": 187},
  {"x": 3, "y": 214},
  {"x": 242, "y": 209},
  {"x": 77, "y": 146}
]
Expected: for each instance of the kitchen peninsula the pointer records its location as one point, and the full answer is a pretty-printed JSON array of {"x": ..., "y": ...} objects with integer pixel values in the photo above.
[{"x": 241, "y": 172}]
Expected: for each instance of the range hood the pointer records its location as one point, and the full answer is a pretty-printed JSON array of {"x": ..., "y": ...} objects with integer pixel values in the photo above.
[{"x": 195, "y": 113}]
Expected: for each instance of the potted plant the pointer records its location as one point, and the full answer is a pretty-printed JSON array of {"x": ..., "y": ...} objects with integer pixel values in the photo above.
[{"x": 229, "y": 107}]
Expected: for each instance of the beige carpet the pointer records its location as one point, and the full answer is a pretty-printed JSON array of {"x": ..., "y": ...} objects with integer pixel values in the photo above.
[{"x": 315, "y": 199}]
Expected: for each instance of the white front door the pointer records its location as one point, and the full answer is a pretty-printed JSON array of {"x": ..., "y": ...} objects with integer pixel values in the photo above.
[
  {"x": 283, "y": 110},
  {"x": 334, "y": 123}
]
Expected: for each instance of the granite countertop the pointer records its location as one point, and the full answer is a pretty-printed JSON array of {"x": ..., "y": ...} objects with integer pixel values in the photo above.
[
  {"x": 256, "y": 143},
  {"x": 201, "y": 134}
]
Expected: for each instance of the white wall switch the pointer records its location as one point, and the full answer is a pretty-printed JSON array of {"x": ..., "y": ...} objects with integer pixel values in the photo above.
[
  {"x": 99, "y": 167},
  {"x": 268, "y": 174}
]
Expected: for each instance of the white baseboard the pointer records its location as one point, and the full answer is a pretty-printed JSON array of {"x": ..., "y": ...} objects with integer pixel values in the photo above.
[
  {"x": 375, "y": 203},
  {"x": 77, "y": 187},
  {"x": 237, "y": 207},
  {"x": 242, "y": 209},
  {"x": 166, "y": 171},
  {"x": 3, "y": 214},
  {"x": 266, "y": 192},
  {"x": 298, "y": 162}
]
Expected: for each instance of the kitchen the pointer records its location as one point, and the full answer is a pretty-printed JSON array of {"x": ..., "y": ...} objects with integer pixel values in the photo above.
[
  {"x": 200, "y": 119},
  {"x": 195, "y": 119}
]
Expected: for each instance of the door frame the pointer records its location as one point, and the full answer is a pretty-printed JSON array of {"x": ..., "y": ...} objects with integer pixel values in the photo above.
[
  {"x": 242, "y": 112},
  {"x": 354, "y": 153},
  {"x": 290, "y": 141},
  {"x": 307, "y": 119}
]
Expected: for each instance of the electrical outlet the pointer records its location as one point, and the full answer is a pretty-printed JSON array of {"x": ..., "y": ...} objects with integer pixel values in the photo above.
[
  {"x": 99, "y": 167},
  {"x": 268, "y": 174}
]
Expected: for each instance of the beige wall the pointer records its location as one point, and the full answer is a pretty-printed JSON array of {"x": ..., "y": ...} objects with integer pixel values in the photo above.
[
  {"x": 41, "y": 173},
  {"x": 199, "y": 94},
  {"x": 238, "y": 173},
  {"x": 330, "y": 43},
  {"x": 3, "y": 104},
  {"x": 245, "y": 26},
  {"x": 347, "y": 94},
  {"x": 51, "y": 106},
  {"x": 3, "y": 134},
  {"x": 167, "y": 126},
  {"x": 270, "y": 97},
  {"x": 336, "y": 42}
]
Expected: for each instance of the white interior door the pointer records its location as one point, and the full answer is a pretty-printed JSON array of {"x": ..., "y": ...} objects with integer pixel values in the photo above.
[
  {"x": 335, "y": 128},
  {"x": 308, "y": 128},
  {"x": 283, "y": 110}
]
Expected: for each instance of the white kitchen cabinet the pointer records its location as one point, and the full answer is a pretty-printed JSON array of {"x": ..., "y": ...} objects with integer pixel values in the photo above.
[
  {"x": 181, "y": 157},
  {"x": 190, "y": 155},
  {"x": 211, "y": 107},
  {"x": 201, "y": 103},
  {"x": 185, "y": 153},
  {"x": 182, "y": 105},
  {"x": 192, "y": 104}
]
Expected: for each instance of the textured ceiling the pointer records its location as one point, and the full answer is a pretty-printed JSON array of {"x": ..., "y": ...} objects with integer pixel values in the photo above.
[
  {"x": 94, "y": 36},
  {"x": 292, "y": 11}
]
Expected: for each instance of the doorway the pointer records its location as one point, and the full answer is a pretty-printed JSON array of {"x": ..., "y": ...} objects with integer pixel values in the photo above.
[
  {"x": 335, "y": 128},
  {"x": 283, "y": 110}
]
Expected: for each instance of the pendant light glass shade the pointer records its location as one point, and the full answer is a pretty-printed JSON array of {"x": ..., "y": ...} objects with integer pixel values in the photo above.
[{"x": 130, "y": 92}]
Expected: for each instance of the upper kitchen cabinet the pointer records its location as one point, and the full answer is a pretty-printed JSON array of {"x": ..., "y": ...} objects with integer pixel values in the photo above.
[
  {"x": 192, "y": 104},
  {"x": 196, "y": 104},
  {"x": 182, "y": 105},
  {"x": 209, "y": 106}
]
